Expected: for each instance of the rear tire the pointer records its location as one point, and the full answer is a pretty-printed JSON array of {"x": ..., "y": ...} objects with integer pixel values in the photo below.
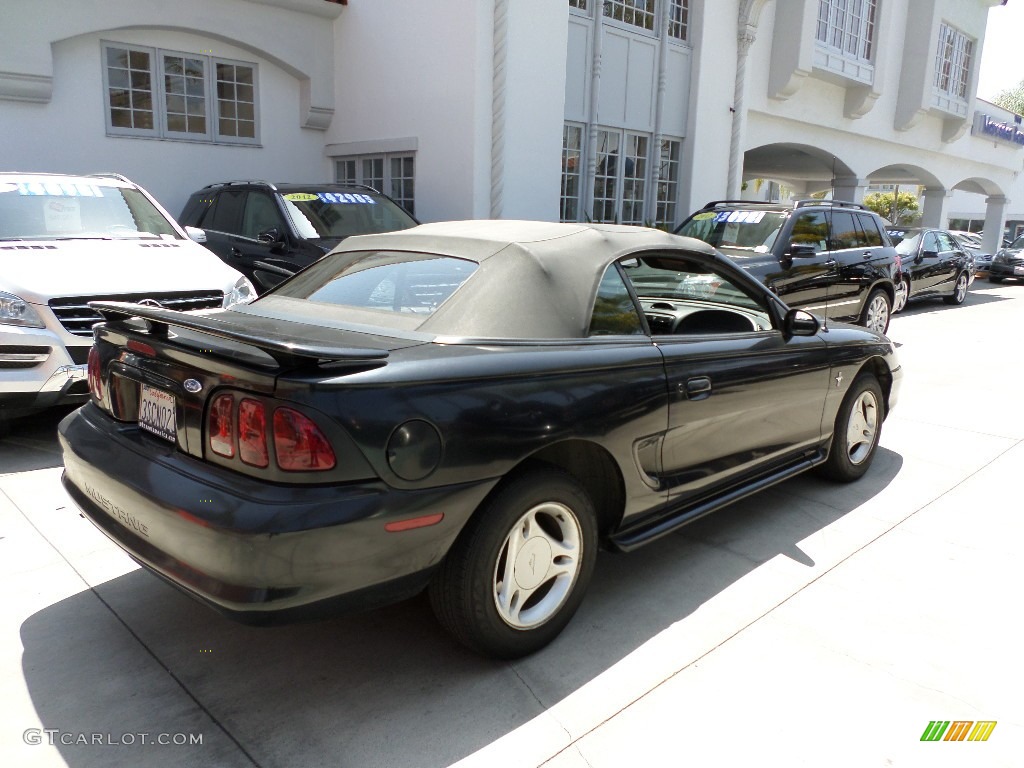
[
  {"x": 902, "y": 294},
  {"x": 877, "y": 312},
  {"x": 518, "y": 571},
  {"x": 995, "y": 279},
  {"x": 857, "y": 431},
  {"x": 959, "y": 290}
]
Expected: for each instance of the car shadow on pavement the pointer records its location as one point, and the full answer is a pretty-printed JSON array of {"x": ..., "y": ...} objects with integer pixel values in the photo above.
[
  {"x": 30, "y": 442},
  {"x": 975, "y": 297},
  {"x": 388, "y": 687}
]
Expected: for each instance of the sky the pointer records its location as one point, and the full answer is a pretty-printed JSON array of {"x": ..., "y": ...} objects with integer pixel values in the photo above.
[{"x": 1002, "y": 65}]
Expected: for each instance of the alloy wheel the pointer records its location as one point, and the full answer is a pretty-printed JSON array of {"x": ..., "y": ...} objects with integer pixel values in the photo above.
[
  {"x": 537, "y": 565},
  {"x": 860, "y": 431}
]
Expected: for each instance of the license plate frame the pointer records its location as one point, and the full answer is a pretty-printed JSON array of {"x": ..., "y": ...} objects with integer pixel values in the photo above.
[{"x": 158, "y": 412}]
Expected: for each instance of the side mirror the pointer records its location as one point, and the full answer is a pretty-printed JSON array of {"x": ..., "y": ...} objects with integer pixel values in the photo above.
[
  {"x": 799, "y": 322},
  {"x": 802, "y": 251},
  {"x": 929, "y": 254},
  {"x": 196, "y": 234},
  {"x": 270, "y": 236}
]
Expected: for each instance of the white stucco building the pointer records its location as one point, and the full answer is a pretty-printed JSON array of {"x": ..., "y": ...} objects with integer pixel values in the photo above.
[{"x": 628, "y": 110}]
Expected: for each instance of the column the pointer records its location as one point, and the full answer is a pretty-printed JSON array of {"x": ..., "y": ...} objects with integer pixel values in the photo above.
[
  {"x": 995, "y": 222},
  {"x": 934, "y": 206},
  {"x": 849, "y": 189}
]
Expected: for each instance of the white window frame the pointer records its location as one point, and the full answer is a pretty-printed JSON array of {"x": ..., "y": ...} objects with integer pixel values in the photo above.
[
  {"x": 844, "y": 38},
  {"x": 666, "y": 206},
  {"x": 954, "y": 59},
  {"x": 572, "y": 170},
  {"x": 580, "y": 6},
  {"x": 679, "y": 20},
  {"x": 648, "y": 9},
  {"x": 158, "y": 97},
  {"x": 385, "y": 183}
]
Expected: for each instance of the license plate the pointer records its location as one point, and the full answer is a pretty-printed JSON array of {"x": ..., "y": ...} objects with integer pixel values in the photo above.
[{"x": 156, "y": 413}]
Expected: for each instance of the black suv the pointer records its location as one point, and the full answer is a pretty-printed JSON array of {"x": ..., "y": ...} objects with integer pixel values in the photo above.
[
  {"x": 826, "y": 256},
  {"x": 270, "y": 231}
]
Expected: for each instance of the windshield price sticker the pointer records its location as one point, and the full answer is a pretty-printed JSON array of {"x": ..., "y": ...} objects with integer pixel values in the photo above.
[
  {"x": 336, "y": 198},
  {"x": 156, "y": 412},
  {"x": 64, "y": 189},
  {"x": 747, "y": 217},
  {"x": 301, "y": 197}
]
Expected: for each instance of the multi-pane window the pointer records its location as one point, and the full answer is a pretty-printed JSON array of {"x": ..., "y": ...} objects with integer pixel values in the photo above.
[
  {"x": 581, "y": 4},
  {"x": 634, "y": 179},
  {"x": 668, "y": 183},
  {"x": 236, "y": 100},
  {"x": 169, "y": 94},
  {"x": 572, "y": 158},
  {"x": 625, "y": 188},
  {"x": 953, "y": 62},
  {"x": 847, "y": 26},
  {"x": 679, "y": 19},
  {"x": 393, "y": 174},
  {"x": 637, "y": 13},
  {"x": 607, "y": 176}
]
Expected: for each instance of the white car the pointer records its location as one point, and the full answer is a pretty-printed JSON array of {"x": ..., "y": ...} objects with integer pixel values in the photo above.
[{"x": 69, "y": 240}]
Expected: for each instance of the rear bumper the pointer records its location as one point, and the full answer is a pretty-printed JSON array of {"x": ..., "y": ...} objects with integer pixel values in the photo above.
[{"x": 254, "y": 550}]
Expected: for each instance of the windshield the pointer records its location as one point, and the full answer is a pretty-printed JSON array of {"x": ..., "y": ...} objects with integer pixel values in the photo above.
[
  {"x": 1018, "y": 243},
  {"x": 79, "y": 210},
  {"x": 340, "y": 214},
  {"x": 735, "y": 230}
]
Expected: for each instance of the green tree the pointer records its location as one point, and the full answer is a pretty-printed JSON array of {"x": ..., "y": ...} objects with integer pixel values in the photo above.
[
  {"x": 1012, "y": 99},
  {"x": 906, "y": 206}
]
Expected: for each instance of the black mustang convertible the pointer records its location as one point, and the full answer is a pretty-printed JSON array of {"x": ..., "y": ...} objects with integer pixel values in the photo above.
[{"x": 469, "y": 407}]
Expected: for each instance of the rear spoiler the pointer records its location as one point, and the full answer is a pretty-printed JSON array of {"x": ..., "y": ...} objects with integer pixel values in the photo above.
[{"x": 285, "y": 349}]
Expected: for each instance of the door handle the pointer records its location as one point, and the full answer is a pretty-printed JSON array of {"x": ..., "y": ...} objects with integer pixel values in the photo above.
[
  {"x": 867, "y": 254},
  {"x": 235, "y": 252},
  {"x": 698, "y": 388}
]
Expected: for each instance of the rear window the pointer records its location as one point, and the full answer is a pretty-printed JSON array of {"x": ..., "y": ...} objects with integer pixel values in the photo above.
[{"x": 388, "y": 282}]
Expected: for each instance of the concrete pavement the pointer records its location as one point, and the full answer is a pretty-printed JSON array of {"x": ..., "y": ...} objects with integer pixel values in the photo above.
[{"x": 815, "y": 624}]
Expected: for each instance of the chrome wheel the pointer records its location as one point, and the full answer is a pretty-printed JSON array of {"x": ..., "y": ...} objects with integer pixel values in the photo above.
[
  {"x": 537, "y": 565},
  {"x": 862, "y": 426},
  {"x": 876, "y": 314},
  {"x": 902, "y": 293},
  {"x": 960, "y": 290}
]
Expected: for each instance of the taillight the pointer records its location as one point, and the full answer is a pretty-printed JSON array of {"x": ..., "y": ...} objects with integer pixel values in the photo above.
[
  {"x": 95, "y": 375},
  {"x": 221, "y": 426},
  {"x": 299, "y": 445},
  {"x": 252, "y": 432}
]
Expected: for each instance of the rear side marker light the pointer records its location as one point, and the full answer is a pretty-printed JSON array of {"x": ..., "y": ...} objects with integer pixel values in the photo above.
[
  {"x": 221, "y": 427},
  {"x": 299, "y": 445},
  {"x": 252, "y": 433},
  {"x": 416, "y": 522},
  {"x": 95, "y": 375}
]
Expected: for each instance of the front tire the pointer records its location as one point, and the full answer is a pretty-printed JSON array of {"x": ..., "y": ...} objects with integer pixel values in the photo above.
[
  {"x": 518, "y": 571},
  {"x": 877, "y": 312},
  {"x": 959, "y": 290},
  {"x": 857, "y": 431}
]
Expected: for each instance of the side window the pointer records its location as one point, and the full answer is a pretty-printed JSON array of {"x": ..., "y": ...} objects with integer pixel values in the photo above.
[
  {"x": 845, "y": 231},
  {"x": 871, "y": 231},
  {"x": 931, "y": 243},
  {"x": 684, "y": 296},
  {"x": 614, "y": 310},
  {"x": 226, "y": 214},
  {"x": 261, "y": 214},
  {"x": 810, "y": 228}
]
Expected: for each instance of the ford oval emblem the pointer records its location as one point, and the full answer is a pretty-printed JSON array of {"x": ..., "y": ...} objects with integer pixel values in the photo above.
[{"x": 193, "y": 386}]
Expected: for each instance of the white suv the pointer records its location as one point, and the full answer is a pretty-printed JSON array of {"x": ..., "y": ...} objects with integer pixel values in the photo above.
[{"x": 69, "y": 240}]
